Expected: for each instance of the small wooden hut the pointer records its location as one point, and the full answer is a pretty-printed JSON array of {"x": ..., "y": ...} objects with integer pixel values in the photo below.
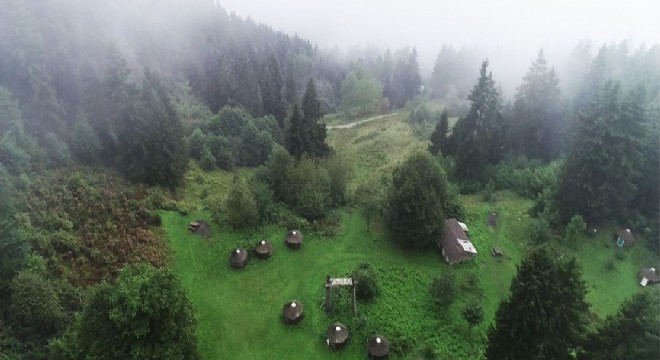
[
  {"x": 238, "y": 258},
  {"x": 337, "y": 336},
  {"x": 264, "y": 249},
  {"x": 455, "y": 244},
  {"x": 378, "y": 347},
  {"x": 293, "y": 312},
  {"x": 293, "y": 239}
]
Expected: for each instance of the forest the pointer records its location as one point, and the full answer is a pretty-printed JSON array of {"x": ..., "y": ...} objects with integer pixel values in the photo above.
[{"x": 120, "y": 127}]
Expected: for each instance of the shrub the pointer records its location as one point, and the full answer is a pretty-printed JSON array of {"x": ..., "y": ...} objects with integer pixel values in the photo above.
[
  {"x": 443, "y": 289},
  {"x": 619, "y": 255},
  {"x": 540, "y": 231},
  {"x": 366, "y": 289},
  {"x": 329, "y": 226},
  {"x": 240, "y": 208},
  {"x": 575, "y": 228},
  {"x": 473, "y": 315},
  {"x": 609, "y": 265},
  {"x": 488, "y": 194}
]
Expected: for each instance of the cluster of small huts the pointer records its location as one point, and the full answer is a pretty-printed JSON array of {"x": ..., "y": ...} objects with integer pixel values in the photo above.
[
  {"x": 293, "y": 312},
  {"x": 238, "y": 258}
]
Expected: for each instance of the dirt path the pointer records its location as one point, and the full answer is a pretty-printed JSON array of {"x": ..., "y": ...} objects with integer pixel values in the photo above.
[{"x": 353, "y": 124}]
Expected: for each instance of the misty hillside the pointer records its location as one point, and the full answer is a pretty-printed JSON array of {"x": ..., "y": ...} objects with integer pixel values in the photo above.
[{"x": 126, "y": 125}]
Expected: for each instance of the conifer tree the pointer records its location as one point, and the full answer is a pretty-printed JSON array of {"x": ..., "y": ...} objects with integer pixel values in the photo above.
[
  {"x": 295, "y": 139},
  {"x": 598, "y": 178},
  {"x": 153, "y": 149},
  {"x": 536, "y": 129},
  {"x": 546, "y": 314},
  {"x": 313, "y": 132},
  {"x": 631, "y": 333},
  {"x": 478, "y": 137},
  {"x": 439, "y": 135},
  {"x": 271, "y": 91}
]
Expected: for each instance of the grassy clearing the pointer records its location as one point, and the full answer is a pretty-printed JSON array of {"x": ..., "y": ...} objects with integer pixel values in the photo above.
[
  {"x": 239, "y": 312},
  {"x": 376, "y": 146}
]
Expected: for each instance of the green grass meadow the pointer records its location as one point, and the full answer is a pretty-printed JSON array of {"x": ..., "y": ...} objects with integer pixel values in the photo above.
[{"x": 240, "y": 311}]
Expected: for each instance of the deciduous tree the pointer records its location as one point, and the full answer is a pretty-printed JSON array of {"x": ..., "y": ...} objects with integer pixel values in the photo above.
[
  {"x": 144, "y": 314},
  {"x": 416, "y": 201}
]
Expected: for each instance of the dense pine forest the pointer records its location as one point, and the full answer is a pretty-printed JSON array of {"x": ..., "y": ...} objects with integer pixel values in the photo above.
[{"x": 121, "y": 118}]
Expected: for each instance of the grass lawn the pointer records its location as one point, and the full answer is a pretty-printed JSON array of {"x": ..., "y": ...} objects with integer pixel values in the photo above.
[{"x": 239, "y": 311}]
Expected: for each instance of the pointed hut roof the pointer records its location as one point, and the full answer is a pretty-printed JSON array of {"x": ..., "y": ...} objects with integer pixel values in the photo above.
[
  {"x": 378, "y": 347},
  {"x": 238, "y": 258},
  {"x": 264, "y": 249},
  {"x": 294, "y": 239},
  {"x": 337, "y": 335},
  {"x": 293, "y": 312}
]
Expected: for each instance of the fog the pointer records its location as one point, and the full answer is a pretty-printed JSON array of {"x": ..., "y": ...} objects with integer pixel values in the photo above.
[{"x": 508, "y": 32}]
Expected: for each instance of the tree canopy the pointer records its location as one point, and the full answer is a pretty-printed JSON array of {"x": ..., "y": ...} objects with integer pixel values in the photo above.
[
  {"x": 631, "y": 333},
  {"x": 479, "y": 136},
  {"x": 546, "y": 315},
  {"x": 416, "y": 201},
  {"x": 599, "y": 177},
  {"x": 536, "y": 129},
  {"x": 144, "y": 314}
]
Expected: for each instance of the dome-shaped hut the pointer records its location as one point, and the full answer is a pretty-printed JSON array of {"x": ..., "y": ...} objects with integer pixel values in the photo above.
[
  {"x": 293, "y": 239},
  {"x": 293, "y": 312},
  {"x": 648, "y": 276},
  {"x": 625, "y": 237},
  {"x": 378, "y": 347},
  {"x": 337, "y": 335},
  {"x": 238, "y": 258},
  {"x": 264, "y": 249}
]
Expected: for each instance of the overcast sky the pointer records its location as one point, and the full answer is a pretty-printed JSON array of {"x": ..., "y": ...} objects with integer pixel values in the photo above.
[
  {"x": 512, "y": 30},
  {"x": 428, "y": 24}
]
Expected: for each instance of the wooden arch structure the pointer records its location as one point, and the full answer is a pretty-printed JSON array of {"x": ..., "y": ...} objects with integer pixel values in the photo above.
[{"x": 333, "y": 282}]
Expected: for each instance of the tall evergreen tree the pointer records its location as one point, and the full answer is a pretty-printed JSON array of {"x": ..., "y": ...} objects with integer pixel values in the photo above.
[
  {"x": 153, "y": 149},
  {"x": 310, "y": 106},
  {"x": 536, "y": 129},
  {"x": 13, "y": 249},
  {"x": 108, "y": 101},
  {"x": 439, "y": 135},
  {"x": 406, "y": 81},
  {"x": 295, "y": 139},
  {"x": 546, "y": 314},
  {"x": 598, "y": 178},
  {"x": 478, "y": 137},
  {"x": 271, "y": 91},
  {"x": 314, "y": 132}
]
